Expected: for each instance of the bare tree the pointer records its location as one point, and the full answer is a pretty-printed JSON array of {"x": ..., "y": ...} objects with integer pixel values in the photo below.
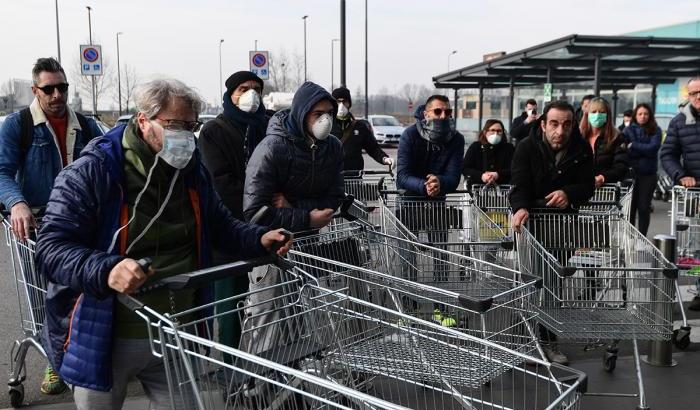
[
  {"x": 279, "y": 71},
  {"x": 129, "y": 82},
  {"x": 7, "y": 93},
  {"x": 297, "y": 70}
]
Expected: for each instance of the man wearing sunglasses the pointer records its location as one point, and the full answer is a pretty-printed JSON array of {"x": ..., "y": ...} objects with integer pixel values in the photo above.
[
  {"x": 430, "y": 151},
  {"x": 35, "y": 144}
]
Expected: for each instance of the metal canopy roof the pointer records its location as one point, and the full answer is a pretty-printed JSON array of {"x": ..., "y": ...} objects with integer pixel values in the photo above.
[{"x": 623, "y": 62}]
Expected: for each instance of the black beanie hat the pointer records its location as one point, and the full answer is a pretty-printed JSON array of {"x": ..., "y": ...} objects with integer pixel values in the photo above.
[
  {"x": 239, "y": 78},
  {"x": 343, "y": 93}
]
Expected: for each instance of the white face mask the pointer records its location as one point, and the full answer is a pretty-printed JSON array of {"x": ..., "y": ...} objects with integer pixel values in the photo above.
[
  {"x": 321, "y": 129},
  {"x": 627, "y": 123},
  {"x": 343, "y": 111},
  {"x": 249, "y": 101},
  {"x": 178, "y": 147},
  {"x": 494, "y": 139}
]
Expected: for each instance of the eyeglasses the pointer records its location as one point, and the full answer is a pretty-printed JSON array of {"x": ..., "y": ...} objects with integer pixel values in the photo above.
[
  {"x": 438, "y": 111},
  {"x": 694, "y": 94},
  {"x": 49, "y": 89},
  {"x": 179, "y": 125}
]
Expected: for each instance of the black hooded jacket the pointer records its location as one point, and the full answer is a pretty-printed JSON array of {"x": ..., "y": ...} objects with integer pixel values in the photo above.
[
  {"x": 357, "y": 135},
  {"x": 535, "y": 174},
  {"x": 484, "y": 157},
  {"x": 309, "y": 177}
]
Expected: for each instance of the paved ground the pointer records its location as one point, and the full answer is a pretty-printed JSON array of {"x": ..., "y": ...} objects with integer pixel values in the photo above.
[{"x": 666, "y": 387}]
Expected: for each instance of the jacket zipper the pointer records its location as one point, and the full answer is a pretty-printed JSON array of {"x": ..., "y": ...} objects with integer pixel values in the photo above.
[{"x": 314, "y": 147}]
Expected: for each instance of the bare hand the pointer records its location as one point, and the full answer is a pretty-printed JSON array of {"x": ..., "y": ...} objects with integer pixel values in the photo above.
[
  {"x": 320, "y": 217},
  {"x": 22, "y": 220},
  {"x": 279, "y": 201},
  {"x": 272, "y": 238},
  {"x": 489, "y": 177},
  {"x": 432, "y": 185},
  {"x": 557, "y": 199},
  {"x": 530, "y": 118},
  {"x": 519, "y": 219},
  {"x": 688, "y": 182},
  {"x": 599, "y": 181},
  {"x": 127, "y": 276},
  {"x": 390, "y": 162}
]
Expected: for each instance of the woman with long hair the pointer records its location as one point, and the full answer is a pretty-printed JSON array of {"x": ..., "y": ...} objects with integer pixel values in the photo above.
[
  {"x": 488, "y": 159},
  {"x": 643, "y": 138},
  {"x": 608, "y": 145}
]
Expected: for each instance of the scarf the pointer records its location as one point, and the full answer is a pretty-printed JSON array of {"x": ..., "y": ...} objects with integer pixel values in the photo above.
[{"x": 253, "y": 124}]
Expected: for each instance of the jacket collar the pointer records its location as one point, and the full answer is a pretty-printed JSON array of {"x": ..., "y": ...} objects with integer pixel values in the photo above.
[
  {"x": 689, "y": 117},
  {"x": 39, "y": 117}
]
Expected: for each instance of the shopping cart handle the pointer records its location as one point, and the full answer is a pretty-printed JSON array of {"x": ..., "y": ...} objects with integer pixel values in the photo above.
[{"x": 580, "y": 376}]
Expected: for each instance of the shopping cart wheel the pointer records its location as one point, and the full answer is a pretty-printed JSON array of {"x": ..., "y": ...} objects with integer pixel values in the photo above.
[
  {"x": 681, "y": 337},
  {"x": 610, "y": 361},
  {"x": 16, "y": 395}
]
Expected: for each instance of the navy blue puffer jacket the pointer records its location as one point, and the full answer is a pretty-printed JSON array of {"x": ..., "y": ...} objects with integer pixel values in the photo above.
[
  {"x": 82, "y": 215},
  {"x": 682, "y": 142},
  {"x": 308, "y": 175},
  {"x": 643, "y": 154}
]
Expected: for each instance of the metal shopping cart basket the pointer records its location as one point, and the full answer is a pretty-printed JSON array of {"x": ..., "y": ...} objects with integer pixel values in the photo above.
[
  {"x": 326, "y": 349},
  {"x": 31, "y": 293},
  {"x": 493, "y": 200},
  {"x": 611, "y": 198},
  {"x": 602, "y": 279},
  {"x": 464, "y": 293},
  {"x": 365, "y": 187}
]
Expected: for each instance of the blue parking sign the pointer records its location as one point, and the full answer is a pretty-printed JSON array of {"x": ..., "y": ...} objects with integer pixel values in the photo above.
[{"x": 86, "y": 67}]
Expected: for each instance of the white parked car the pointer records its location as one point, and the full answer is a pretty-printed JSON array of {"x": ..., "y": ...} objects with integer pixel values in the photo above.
[
  {"x": 204, "y": 118},
  {"x": 387, "y": 129}
]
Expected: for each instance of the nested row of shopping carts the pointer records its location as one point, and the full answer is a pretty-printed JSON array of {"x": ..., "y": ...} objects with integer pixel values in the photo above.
[{"x": 411, "y": 303}]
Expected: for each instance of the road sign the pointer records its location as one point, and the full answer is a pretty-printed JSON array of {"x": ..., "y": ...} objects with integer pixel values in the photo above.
[
  {"x": 260, "y": 63},
  {"x": 547, "y": 92},
  {"x": 90, "y": 59}
]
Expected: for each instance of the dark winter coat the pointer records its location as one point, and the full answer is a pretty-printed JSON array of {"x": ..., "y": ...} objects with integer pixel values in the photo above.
[
  {"x": 484, "y": 157},
  {"x": 309, "y": 176},
  {"x": 682, "y": 142},
  {"x": 418, "y": 157},
  {"x": 643, "y": 154},
  {"x": 222, "y": 142},
  {"x": 611, "y": 161},
  {"x": 85, "y": 209},
  {"x": 519, "y": 130},
  {"x": 535, "y": 174},
  {"x": 357, "y": 135}
]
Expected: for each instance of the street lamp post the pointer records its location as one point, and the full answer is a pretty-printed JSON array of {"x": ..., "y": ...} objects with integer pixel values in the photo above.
[
  {"x": 366, "y": 69},
  {"x": 221, "y": 78},
  {"x": 119, "y": 76},
  {"x": 58, "y": 35},
  {"x": 304, "y": 18},
  {"x": 92, "y": 77},
  {"x": 256, "y": 45},
  {"x": 333, "y": 62},
  {"x": 343, "y": 79},
  {"x": 448, "y": 58}
]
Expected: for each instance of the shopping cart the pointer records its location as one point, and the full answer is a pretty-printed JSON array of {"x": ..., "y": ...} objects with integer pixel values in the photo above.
[
  {"x": 31, "y": 292},
  {"x": 471, "y": 295},
  {"x": 364, "y": 187},
  {"x": 602, "y": 280},
  {"x": 329, "y": 350},
  {"x": 685, "y": 226},
  {"x": 452, "y": 222},
  {"x": 493, "y": 200},
  {"x": 611, "y": 198}
]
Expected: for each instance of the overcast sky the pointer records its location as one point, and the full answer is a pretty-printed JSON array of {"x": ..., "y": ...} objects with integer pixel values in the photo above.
[{"x": 409, "y": 41}]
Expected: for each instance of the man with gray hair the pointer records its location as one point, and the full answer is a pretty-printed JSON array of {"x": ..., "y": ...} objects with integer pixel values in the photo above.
[{"x": 139, "y": 191}]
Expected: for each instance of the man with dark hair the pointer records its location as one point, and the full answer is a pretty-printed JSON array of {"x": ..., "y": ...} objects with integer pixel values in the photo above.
[
  {"x": 552, "y": 168},
  {"x": 355, "y": 135},
  {"x": 584, "y": 106},
  {"x": 35, "y": 144},
  {"x": 523, "y": 124},
  {"x": 430, "y": 151},
  {"x": 626, "y": 120}
]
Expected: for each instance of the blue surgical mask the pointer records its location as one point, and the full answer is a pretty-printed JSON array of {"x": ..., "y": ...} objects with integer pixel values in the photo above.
[{"x": 597, "y": 119}]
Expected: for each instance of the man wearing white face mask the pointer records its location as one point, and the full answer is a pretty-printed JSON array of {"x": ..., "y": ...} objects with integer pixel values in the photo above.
[
  {"x": 355, "y": 135},
  {"x": 297, "y": 168},
  {"x": 228, "y": 141},
  {"x": 139, "y": 191}
]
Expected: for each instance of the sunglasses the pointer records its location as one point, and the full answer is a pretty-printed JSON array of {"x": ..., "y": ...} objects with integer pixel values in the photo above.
[
  {"x": 49, "y": 89},
  {"x": 178, "y": 125},
  {"x": 438, "y": 111}
]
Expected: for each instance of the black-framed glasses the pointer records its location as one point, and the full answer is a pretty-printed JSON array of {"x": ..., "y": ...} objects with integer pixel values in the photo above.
[
  {"x": 438, "y": 111},
  {"x": 179, "y": 125},
  {"x": 49, "y": 89}
]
